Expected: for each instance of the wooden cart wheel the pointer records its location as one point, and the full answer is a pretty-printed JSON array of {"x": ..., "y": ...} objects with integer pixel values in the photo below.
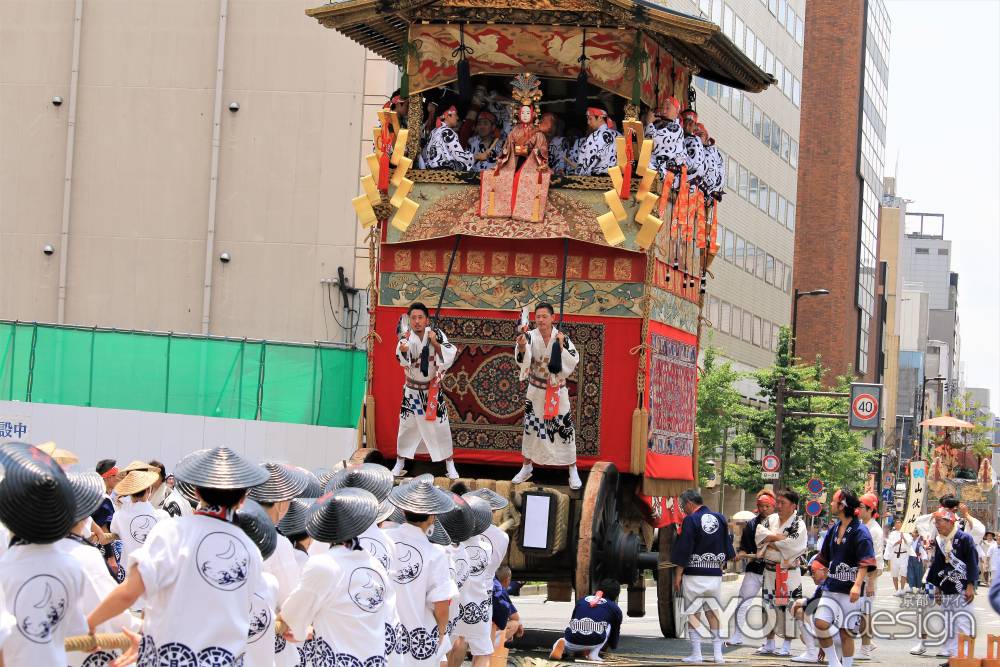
[
  {"x": 600, "y": 512},
  {"x": 366, "y": 455},
  {"x": 665, "y": 583}
]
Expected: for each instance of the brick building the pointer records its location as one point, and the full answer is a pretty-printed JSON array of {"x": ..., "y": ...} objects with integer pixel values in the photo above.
[{"x": 845, "y": 76}]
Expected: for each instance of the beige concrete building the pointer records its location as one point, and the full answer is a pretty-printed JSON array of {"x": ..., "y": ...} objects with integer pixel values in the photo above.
[
  {"x": 892, "y": 215},
  {"x": 184, "y": 130}
]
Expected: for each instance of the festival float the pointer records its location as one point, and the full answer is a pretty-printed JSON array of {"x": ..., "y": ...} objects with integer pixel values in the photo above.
[
  {"x": 954, "y": 468},
  {"x": 624, "y": 257}
]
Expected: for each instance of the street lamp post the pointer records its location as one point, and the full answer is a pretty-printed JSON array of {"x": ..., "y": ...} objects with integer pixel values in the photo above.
[
  {"x": 795, "y": 313},
  {"x": 923, "y": 405}
]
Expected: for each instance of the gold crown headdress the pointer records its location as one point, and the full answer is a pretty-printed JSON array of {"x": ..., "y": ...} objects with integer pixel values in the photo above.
[{"x": 526, "y": 89}]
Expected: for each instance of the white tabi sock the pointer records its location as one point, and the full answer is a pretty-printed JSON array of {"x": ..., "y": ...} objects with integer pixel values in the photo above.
[
  {"x": 831, "y": 657},
  {"x": 787, "y": 644},
  {"x": 717, "y": 646},
  {"x": 848, "y": 661},
  {"x": 769, "y": 644},
  {"x": 695, "y": 643}
]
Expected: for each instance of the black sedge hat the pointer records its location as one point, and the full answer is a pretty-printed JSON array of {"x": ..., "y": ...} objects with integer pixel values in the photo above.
[
  {"x": 88, "y": 490},
  {"x": 219, "y": 468},
  {"x": 372, "y": 477},
  {"x": 283, "y": 482},
  {"x": 255, "y": 522},
  {"x": 37, "y": 502},
  {"x": 496, "y": 501},
  {"x": 396, "y": 516},
  {"x": 341, "y": 516},
  {"x": 460, "y": 521},
  {"x": 420, "y": 496},
  {"x": 314, "y": 489},
  {"x": 294, "y": 521},
  {"x": 439, "y": 535},
  {"x": 482, "y": 513}
]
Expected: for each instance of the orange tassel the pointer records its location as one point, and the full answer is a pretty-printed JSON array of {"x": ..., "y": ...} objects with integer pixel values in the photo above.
[
  {"x": 702, "y": 226},
  {"x": 385, "y": 144},
  {"x": 627, "y": 168},
  {"x": 715, "y": 229}
]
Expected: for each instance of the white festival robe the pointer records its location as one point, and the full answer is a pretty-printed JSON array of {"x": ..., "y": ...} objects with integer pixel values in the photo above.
[
  {"x": 789, "y": 550},
  {"x": 190, "y": 565},
  {"x": 132, "y": 522},
  {"x": 416, "y": 434},
  {"x": 261, "y": 640},
  {"x": 44, "y": 589},
  {"x": 715, "y": 171},
  {"x": 475, "y": 599},
  {"x": 496, "y": 545},
  {"x": 477, "y": 145},
  {"x": 878, "y": 543},
  {"x": 284, "y": 567},
  {"x": 668, "y": 146},
  {"x": 445, "y": 151},
  {"x": 343, "y": 596},
  {"x": 897, "y": 548},
  {"x": 594, "y": 154},
  {"x": 551, "y": 442},
  {"x": 421, "y": 578},
  {"x": 97, "y": 585},
  {"x": 695, "y": 159},
  {"x": 972, "y": 526}
]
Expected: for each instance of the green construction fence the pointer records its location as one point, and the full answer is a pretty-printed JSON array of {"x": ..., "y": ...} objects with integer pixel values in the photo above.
[{"x": 315, "y": 384}]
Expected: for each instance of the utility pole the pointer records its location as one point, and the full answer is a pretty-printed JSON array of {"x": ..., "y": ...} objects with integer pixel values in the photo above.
[{"x": 779, "y": 425}]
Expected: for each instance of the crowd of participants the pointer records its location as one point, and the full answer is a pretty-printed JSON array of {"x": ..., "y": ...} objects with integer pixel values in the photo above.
[
  {"x": 471, "y": 138},
  {"x": 228, "y": 563}
]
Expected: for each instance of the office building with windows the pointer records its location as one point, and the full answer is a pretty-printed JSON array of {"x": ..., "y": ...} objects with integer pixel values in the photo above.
[
  {"x": 845, "y": 78},
  {"x": 749, "y": 296}
]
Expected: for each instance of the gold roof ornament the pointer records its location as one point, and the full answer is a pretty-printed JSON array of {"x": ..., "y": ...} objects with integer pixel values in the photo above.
[{"x": 526, "y": 88}]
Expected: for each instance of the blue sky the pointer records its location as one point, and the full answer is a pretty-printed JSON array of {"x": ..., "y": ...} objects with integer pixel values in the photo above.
[{"x": 944, "y": 134}]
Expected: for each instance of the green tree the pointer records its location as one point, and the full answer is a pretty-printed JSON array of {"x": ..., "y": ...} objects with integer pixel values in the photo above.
[
  {"x": 720, "y": 409},
  {"x": 979, "y": 438},
  {"x": 811, "y": 447}
]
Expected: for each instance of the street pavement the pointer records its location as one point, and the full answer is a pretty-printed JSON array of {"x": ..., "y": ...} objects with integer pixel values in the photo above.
[{"x": 642, "y": 643}]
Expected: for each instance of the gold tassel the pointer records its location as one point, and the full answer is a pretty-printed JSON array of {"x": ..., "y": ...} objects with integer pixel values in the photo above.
[
  {"x": 402, "y": 190},
  {"x": 491, "y": 208},
  {"x": 640, "y": 437},
  {"x": 611, "y": 229},
  {"x": 615, "y": 204},
  {"x": 620, "y": 150},
  {"x": 363, "y": 207},
  {"x": 404, "y": 216}
]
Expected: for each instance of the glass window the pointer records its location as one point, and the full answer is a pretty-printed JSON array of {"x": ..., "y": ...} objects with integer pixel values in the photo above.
[
  {"x": 725, "y": 317},
  {"x": 793, "y": 153},
  {"x": 747, "y": 111},
  {"x": 790, "y": 21},
  {"x": 699, "y": 83},
  {"x": 738, "y": 33},
  {"x": 744, "y": 182},
  {"x": 796, "y": 92},
  {"x": 769, "y": 62},
  {"x": 769, "y": 269},
  {"x": 754, "y": 185},
  {"x": 750, "y": 43},
  {"x": 713, "y": 311},
  {"x": 772, "y": 6},
  {"x": 775, "y": 138},
  {"x": 712, "y": 89},
  {"x": 755, "y": 338},
  {"x": 727, "y": 21},
  {"x": 760, "y": 264},
  {"x": 782, "y": 209},
  {"x": 757, "y": 120},
  {"x": 751, "y": 258},
  {"x": 737, "y": 103},
  {"x": 786, "y": 84},
  {"x": 800, "y": 30},
  {"x": 788, "y": 280},
  {"x": 790, "y": 219},
  {"x": 730, "y": 247},
  {"x": 733, "y": 175},
  {"x": 737, "y": 330},
  {"x": 785, "y": 145},
  {"x": 782, "y": 8},
  {"x": 765, "y": 134},
  {"x": 779, "y": 72},
  {"x": 747, "y": 325},
  {"x": 740, "y": 251},
  {"x": 775, "y": 336},
  {"x": 725, "y": 96},
  {"x": 717, "y": 12},
  {"x": 759, "y": 56},
  {"x": 772, "y": 204},
  {"x": 705, "y": 6},
  {"x": 762, "y": 194},
  {"x": 779, "y": 274}
]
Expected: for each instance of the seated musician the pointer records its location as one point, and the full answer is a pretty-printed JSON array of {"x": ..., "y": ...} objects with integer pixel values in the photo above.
[
  {"x": 714, "y": 157},
  {"x": 693, "y": 147},
  {"x": 710, "y": 166},
  {"x": 664, "y": 128},
  {"x": 486, "y": 143},
  {"x": 443, "y": 149},
  {"x": 596, "y": 153},
  {"x": 553, "y": 128}
]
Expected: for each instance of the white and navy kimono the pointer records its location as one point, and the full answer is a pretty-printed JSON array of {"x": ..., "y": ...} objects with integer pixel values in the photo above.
[
  {"x": 284, "y": 568},
  {"x": 704, "y": 545},
  {"x": 668, "y": 147},
  {"x": 955, "y": 566},
  {"x": 416, "y": 433},
  {"x": 44, "y": 588},
  {"x": 189, "y": 565},
  {"x": 477, "y": 145},
  {"x": 343, "y": 595},
  {"x": 458, "y": 567},
  {"x": 695, "y": 151},
  {"x": 547, "y": 441},
  {"x": 133, "y": 522},
  {"x": 476, "y": 597},
  {"x": 97, "y": 585},
  {"x": 972, "y": 526},
  {"x": 497, "y": 542},
  {"x": 444, "y": 151},
  {"x": 715, "y": 171},
  {"x": 786, "y": 553},
  {"x": 261, "y": 640},
  {"x": 878, "y": 541},
  {"x": 176, "y": 504},
  {"x": 595, "y": 154},
  {"x": 559, "y": 148},
  {"x": 421, "y": 578}
]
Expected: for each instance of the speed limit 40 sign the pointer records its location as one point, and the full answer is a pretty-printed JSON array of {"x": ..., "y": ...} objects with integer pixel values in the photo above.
[{"x": 866, "y": 405}]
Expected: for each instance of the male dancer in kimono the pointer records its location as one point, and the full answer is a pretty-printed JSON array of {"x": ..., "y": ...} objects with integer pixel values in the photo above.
[
  {"x": 782, "y": 543},
  {"x": 701, "y": 552},
  {"x": 869, "y": 516},
  {"x": 549, "y": 435},
  {"x": 954, "y": 573},
  {"x": 664, "y": 129},
  {"x": 596, "y": 153},
  {"x": 714, "y": 182},
  {"x": 693, "y": 147},
  {"x": 753, "y": 576},
  {"x": 443, "y": 149},
  {"x": 425, "y": 354},
  {"x": 848, "y": 555}
]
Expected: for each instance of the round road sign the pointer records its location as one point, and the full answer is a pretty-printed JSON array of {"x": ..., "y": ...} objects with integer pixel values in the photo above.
[
  {"x": 770, "y": 463},
  {"x": 864, "y": 406},
  {"x": 814, "y": 507},
  {"x": 815, "y": 486}
]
